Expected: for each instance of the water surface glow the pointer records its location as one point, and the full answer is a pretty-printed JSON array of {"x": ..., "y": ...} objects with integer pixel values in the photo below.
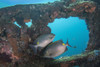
[{"x": 73, "y": 29}]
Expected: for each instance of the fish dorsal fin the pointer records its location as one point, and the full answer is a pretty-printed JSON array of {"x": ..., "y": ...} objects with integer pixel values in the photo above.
[{"x": 57, "y": 41}]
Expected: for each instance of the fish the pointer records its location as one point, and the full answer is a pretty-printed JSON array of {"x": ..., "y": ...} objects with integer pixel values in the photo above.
[
  {"x": 41, "y": 42},
  {"x": 54, "y": 49}
]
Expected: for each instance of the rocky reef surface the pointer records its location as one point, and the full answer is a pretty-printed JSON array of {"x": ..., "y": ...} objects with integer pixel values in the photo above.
[{"x": 14, "y": 41}]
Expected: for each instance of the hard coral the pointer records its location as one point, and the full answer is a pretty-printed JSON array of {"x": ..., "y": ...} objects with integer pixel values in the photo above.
[
  {"x": 13, "y": 43},
  {"x": 91, "y": 10},
  {"x": 27, "y": 20},
  {"x": 6, "y": 49}
]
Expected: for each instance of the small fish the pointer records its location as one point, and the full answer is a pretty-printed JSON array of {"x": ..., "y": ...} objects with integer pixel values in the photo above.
[
  {"x": 54, "y": 49},
  {"x": 41, "y": 42}
]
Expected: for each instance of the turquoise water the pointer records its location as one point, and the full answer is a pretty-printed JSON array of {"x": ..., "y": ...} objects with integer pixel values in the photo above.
[
  {"x": 3, "y": 4},
  {"x": 29, "y": 24},
  {"x": 14, "y": 2},
  {"x": 73, "y": 29},
  {"x": 17, "y": 24},
  {"x": 6, "y": 3}
]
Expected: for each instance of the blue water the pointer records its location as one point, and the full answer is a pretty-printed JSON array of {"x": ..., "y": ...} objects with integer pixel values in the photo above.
[
  {"x": 6, "y": 3},
  {"x": 29, "y": 24},
  {"x": 73, "y": 29},
  {"x": 2, "y": 5},
  {"x": 14, "y": 2},
  {"x": 17, "y": 24}
]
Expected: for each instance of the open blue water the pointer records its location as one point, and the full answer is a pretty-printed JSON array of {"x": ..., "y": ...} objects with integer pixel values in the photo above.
[
  {"x": 73, "y": 29},
  {"x": 6, "y": 3}
]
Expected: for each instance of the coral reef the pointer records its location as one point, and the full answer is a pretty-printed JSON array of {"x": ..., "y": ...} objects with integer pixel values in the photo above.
[{"x": 14, "y": 41}]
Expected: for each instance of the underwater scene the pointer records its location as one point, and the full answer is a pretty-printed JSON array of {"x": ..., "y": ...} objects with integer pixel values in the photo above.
[{"x": 49, "y": 33}]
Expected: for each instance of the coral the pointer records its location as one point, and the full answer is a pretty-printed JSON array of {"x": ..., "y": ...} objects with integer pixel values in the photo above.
[{"x": 27, "y": 20}]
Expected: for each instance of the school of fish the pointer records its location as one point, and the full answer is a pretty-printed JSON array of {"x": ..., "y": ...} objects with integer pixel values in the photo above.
[{"x": 44, "y": 46}]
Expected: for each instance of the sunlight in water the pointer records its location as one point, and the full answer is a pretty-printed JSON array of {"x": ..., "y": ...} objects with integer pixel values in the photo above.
[{"x": 73, "y": 29}]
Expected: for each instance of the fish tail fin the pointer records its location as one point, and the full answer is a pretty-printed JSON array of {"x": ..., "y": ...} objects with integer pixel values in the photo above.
[
  {"x": 68, "y": 43},
  {"x": 34, "y": 48}
]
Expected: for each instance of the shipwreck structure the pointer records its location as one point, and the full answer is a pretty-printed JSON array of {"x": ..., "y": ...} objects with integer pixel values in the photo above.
[{"x": 14, "y": 41}]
